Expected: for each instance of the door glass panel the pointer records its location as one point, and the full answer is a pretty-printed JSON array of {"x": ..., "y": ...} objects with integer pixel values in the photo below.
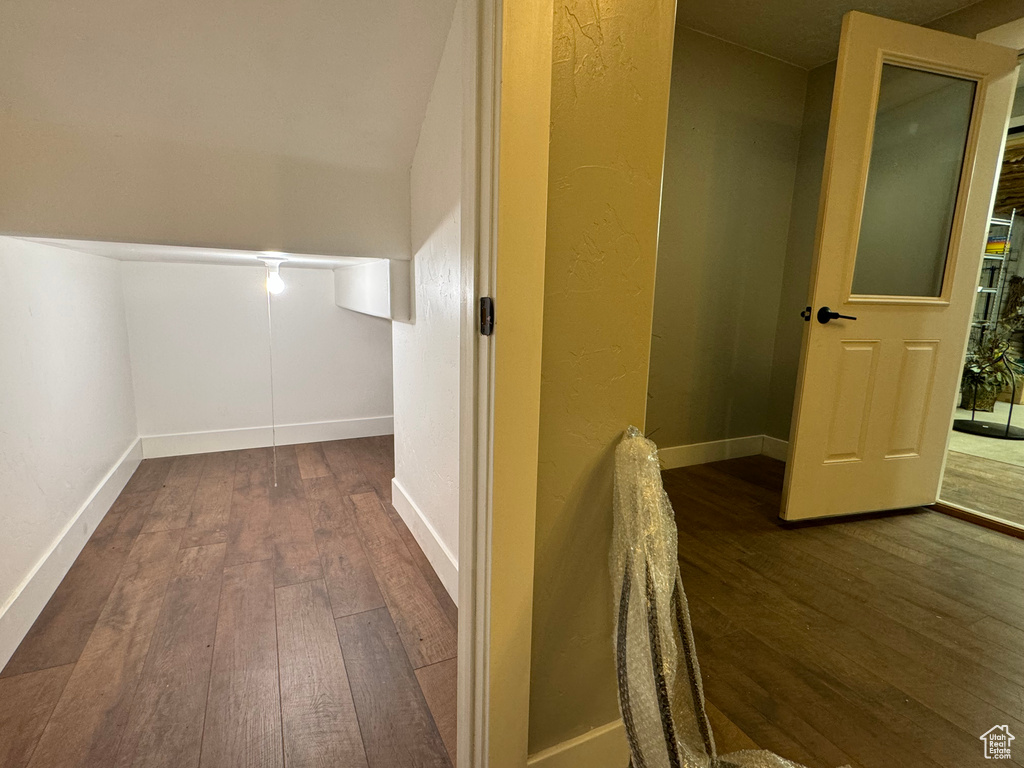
[{"x": 916, "y": 158}]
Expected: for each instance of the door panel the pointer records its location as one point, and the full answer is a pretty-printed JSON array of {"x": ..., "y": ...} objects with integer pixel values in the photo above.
[
  {"x": 913, "y": 398},
  {"x": 851, "y": 409},
  {"x": 916, "y": 133}
]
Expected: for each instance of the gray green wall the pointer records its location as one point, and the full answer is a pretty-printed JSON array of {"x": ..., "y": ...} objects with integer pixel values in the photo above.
[{"x": 731, "y": 162}]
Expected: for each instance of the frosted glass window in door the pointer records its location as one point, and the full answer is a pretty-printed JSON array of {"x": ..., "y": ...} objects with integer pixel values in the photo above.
[{"x": 917, "y": 155}]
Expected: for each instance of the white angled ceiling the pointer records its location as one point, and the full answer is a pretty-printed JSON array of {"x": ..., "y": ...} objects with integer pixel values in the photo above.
[
  {"x": 801, "y": 32},
  {"x": 337, "y": 82}
]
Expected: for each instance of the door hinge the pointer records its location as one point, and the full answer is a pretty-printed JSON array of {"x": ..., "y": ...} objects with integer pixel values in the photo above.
[{"x": 486, "y": 315}]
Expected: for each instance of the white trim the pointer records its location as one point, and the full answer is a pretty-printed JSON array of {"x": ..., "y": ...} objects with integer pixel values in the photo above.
[
  {"x": 775, "y": 448},
  {"x": 676, "y": 456},
  {"x": 187, "y": 443},
  {"x": 27, "y": 601},
  {"x": 717, "y": 450},
  {"x": 602, "y": 747},
  {"x": 481, "y": 82},
  {"x": 444, "y": 563}
]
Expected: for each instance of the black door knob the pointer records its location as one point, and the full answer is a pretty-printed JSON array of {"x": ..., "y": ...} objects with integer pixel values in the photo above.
[{"x": 825, "y": 315}]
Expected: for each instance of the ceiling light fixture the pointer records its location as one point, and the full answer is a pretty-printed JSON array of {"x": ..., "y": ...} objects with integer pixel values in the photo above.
[
  {"x": 275, "y": 285},
  {"x": 274, "y": 282}
]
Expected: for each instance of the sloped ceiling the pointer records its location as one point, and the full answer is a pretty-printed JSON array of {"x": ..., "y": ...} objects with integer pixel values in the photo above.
[
  {"x": 344, "y": 83},
  {"x": 249, "y": 125},
  {"x": 801, "y": 32}
]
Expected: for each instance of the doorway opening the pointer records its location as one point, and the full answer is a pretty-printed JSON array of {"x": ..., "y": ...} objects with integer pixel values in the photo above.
[
  {"x": 235, "y": 438},
  {"x": 984, "y": 474}
]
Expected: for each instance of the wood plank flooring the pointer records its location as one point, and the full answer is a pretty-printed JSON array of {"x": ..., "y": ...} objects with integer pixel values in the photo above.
[
  {"x": 985, "y": 485},
  {"x": 892, "y": 641},
  {"x": 214, "y": 620}
]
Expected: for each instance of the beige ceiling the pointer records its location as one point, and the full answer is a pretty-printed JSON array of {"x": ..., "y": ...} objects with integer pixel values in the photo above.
[
  {"x": 336, "y": 82},
  {"x": 802, "y": 32}
]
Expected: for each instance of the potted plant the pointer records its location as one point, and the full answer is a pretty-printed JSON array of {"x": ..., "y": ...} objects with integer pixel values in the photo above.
[
  {"x": 987, "y": 372},
  {"x": 1013, "y": 320}
]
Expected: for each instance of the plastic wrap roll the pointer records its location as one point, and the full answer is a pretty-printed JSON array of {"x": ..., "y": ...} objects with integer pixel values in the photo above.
[{"x": 661, "y": 696}]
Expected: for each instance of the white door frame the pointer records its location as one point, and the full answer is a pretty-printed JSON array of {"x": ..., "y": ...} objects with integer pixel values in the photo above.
[
  {"x": 481, "y": 83},
  {"x": 507, "y": 83}
]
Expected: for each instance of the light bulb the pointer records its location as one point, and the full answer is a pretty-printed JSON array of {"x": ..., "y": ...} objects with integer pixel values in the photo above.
[{"x": 274, "y": 283}]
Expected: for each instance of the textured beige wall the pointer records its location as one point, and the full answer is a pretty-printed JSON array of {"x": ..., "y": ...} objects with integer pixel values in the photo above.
[
  {"x": 609, "y": 104},
  {"x": 730, "y": 164}
]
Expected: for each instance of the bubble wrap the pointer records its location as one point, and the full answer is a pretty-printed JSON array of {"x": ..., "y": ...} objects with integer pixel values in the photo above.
[{"x": 660, "y": 693}]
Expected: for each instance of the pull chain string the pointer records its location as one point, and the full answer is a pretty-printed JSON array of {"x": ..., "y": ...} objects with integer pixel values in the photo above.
[{"x": 270, "y": 350}]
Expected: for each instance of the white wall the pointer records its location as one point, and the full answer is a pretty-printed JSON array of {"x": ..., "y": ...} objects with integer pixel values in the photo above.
[
  {"x": 378, "y": 287},
  {"x": 67, "y": 418},
  {"x": 426, "y": 352},
  {"x": 730, "y": 165},
  {"x": 201, "y": 365}
]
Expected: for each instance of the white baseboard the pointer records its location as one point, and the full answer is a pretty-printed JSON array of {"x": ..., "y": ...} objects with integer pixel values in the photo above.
[
  {"x": 718, "y": 450},
  {"x": 186, "y": 443},
  {"x": 22, "y": 608},
  {"x": 775, "y": 448},
  {"x": 602, "y": 747},
  {"x": 446, "y": 566}
]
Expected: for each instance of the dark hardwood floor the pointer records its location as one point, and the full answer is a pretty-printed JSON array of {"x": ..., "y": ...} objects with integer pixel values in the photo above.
[
  {"x": 985, "y": 485},
  {"x": 214, "y": 620},
  {"x": 892, "y": 641}
]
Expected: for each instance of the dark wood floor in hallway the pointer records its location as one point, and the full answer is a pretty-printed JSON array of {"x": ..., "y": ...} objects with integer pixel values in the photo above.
[
  {"x": 874, "y": 643},
  {"x": 214, "y": 620}
]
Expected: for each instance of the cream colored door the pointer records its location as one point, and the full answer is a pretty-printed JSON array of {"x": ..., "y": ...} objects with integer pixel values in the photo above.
[{"x": 916, "y": 134}]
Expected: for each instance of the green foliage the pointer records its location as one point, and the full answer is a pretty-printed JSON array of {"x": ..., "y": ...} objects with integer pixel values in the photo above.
[{"x": 992, "y": 365}]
